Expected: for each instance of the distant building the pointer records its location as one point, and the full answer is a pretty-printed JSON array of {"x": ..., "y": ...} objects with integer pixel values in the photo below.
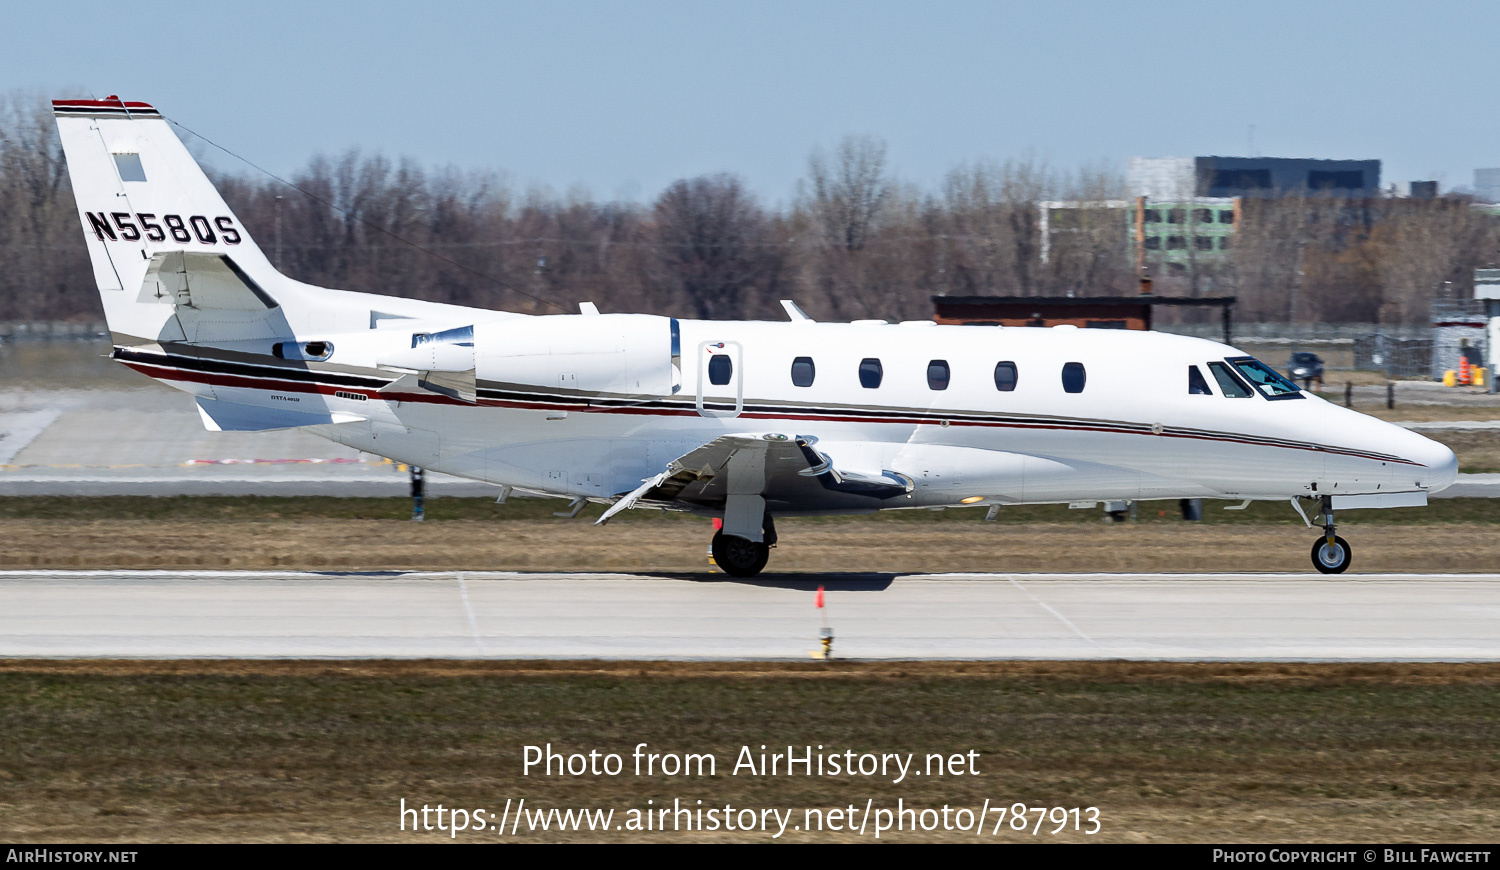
[
  {"x": 1060, "y": 221},
  {"x": 1185, "y": 211},
  {"x": 1416, "y": 189},
  {"x": 1458, "y": 328},
  {"x": 1183, "y": 234},
  {"x": 1173, "y": 236},
  {"x": 1181, "y": 178},
  {"x": 1487, "y": 293},
  {"x": 1089, "y": 312},
  {"x": 1487, "y": 184}
]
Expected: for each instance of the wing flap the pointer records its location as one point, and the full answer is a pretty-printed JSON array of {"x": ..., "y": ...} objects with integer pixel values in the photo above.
[
  {"x": 706, "y": 468},
  {"x": 777, "y": 467}
]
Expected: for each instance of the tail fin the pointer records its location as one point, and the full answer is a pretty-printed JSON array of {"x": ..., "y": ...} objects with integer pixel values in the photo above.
[{"x": 141, "y": 195}]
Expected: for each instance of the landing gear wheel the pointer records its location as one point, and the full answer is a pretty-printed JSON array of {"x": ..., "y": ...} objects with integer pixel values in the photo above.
[
  {"x": 1334, "y": 559},
  {"x": 739, "y": 557}
]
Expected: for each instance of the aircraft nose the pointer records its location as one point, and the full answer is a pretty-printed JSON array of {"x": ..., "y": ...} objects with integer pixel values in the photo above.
[{"x": 1442, "y": 464}]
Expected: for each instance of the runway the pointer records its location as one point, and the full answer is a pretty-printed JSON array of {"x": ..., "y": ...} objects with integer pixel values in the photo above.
[{"x": 1194, "y": 617}]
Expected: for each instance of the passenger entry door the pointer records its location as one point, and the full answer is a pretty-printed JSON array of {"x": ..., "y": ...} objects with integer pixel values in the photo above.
[{"x": 721, "y": 390}]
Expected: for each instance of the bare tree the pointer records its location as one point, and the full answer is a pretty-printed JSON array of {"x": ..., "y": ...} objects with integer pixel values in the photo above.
[
  {"x": 992, "y": 228},
  {"x": 856, "y": 242},
  {"x": 46, "y": 274},
  {"x": 843, "y": 207},
  {"x": 711, "y": 244},
  {"x": 1419, "y": 246},
  {"x": 1308, "y": 258},
  {"x": 1268, "y": 262},
  {"x": 1093, "y": 257},
  {"x": 848, "y": 191}
]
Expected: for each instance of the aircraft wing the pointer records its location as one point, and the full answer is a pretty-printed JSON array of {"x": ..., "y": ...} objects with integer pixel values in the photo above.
[{"x": 791, "y": 472}]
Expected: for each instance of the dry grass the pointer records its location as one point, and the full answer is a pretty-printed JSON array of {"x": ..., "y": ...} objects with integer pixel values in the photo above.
[
  {"x": 1478, "y": 451},
  {"x": 256, "y": 751},
  {"x": 678, "y": 545},
  {"x": 1426, "y": 413}
]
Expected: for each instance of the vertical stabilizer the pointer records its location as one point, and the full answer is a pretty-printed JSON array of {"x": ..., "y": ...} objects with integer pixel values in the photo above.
[{"x": 140, "y": 193}]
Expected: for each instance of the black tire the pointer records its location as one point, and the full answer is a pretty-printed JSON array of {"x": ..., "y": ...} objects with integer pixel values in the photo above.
[
  {"x": 739, "y": 557},
  {"x": 1335, "y": 561}
]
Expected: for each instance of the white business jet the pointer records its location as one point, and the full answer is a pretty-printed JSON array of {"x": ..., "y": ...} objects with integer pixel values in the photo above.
[{"x": 743, "y": 421}]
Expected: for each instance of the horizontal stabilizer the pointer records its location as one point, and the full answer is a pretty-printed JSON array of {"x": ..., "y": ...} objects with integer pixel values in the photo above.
[{"x": 219, "y": 416}]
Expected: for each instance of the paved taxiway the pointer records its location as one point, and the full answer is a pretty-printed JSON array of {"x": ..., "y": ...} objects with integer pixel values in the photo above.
[{"x": 509, "y": 615}]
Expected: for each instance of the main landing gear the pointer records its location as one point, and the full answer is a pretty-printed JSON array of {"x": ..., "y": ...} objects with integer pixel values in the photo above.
[
  {"x": 741, "y": 557},
  {"x": 1331, "y": 553}
]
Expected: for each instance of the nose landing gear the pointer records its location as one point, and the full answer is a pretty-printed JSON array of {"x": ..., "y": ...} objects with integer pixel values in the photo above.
[{"x": 1331, "y": 554}]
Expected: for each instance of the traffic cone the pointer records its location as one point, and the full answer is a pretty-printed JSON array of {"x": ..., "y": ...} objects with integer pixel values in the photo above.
[
  {"x": 825, "y": 634},
  {"x": 713, "y": 567},
  {"x": 1465, "y": 376}
]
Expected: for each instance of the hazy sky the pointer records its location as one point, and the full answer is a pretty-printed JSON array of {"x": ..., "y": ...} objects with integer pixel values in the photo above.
[{"x": 622, "y": 98}]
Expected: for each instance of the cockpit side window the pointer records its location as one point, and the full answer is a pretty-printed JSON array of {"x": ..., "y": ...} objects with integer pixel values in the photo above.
[
  {"x": 1265, "y": 378},
  {"x": 1197, "y": 386},
  {"x": 1231, "y": 386}
]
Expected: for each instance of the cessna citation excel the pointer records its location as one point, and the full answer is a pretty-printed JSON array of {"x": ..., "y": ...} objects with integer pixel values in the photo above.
[{"x": 744, "y": 421}]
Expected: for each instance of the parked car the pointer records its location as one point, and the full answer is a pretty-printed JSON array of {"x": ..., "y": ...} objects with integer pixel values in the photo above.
[{"x": 1305, "y": 367}]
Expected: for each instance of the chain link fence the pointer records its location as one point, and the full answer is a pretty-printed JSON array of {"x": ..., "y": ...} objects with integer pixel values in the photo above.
[
  {"x": 49, "y": 329},
  {"x": 1396, "y": 357}
]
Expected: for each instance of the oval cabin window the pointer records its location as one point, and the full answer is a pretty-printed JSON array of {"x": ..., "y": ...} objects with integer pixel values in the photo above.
[
  {"x": 937, "y": 374},
  {"x": 803, "y": 371},
  {"x": 1073, "y": 377},
  {"x": 870, "y": 373},
  {"x": 720, "y": 370},
  {"x": 1005, "y": 376}
]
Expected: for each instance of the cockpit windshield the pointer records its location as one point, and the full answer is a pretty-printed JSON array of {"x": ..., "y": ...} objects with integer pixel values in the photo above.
[{"x": 1265, "y": 378}]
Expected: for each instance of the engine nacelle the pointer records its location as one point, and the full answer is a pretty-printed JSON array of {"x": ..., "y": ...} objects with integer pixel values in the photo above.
[{"x": 631, "y": 354}]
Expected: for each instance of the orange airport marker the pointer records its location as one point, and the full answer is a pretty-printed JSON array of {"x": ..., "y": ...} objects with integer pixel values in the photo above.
[
  {"x": 713, "y": 567},
  {"x": 825, "y": 634}
]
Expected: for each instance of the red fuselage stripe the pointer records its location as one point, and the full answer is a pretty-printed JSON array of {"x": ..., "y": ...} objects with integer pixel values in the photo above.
[{"x": 213, "y": 379}]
